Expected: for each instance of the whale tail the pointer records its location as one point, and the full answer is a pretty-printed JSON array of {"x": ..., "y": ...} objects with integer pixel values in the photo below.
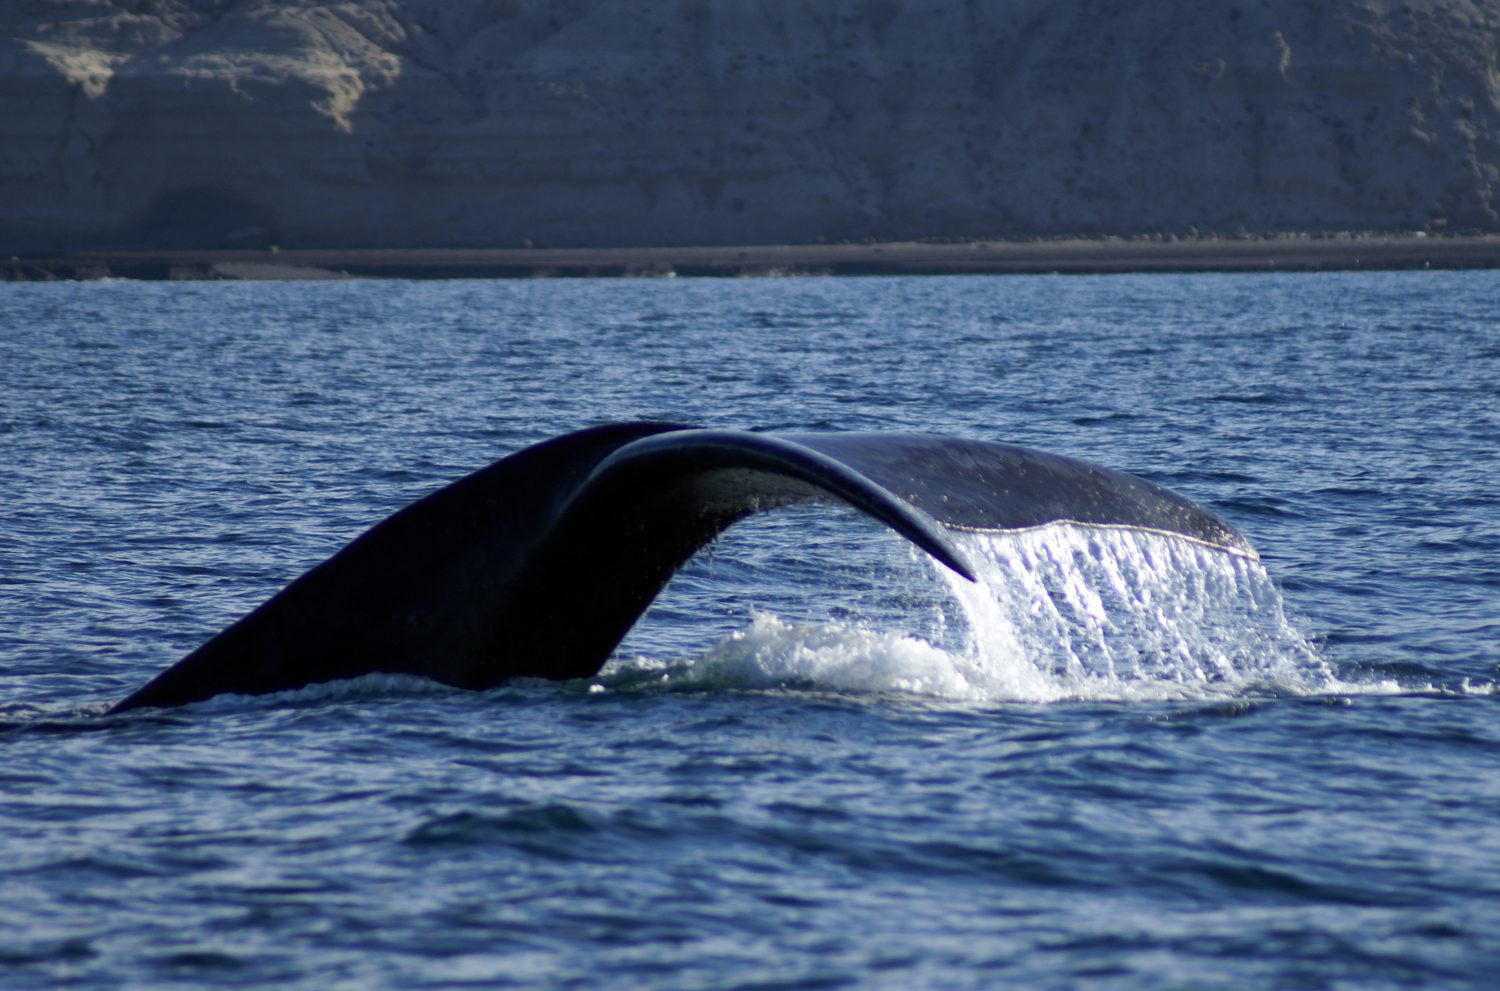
[{"x": 479, "y": 581}]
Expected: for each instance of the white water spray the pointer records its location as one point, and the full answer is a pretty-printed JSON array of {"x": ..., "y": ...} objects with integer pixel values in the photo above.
[
  {"x": 1091, "y": 612},
  {"x": 1060, "y": 612}
]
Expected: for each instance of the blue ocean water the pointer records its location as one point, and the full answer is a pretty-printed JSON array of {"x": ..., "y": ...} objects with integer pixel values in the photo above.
[{"x": 819, "y": 761}]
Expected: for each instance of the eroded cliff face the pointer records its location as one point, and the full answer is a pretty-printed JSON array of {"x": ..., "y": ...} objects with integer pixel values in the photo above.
[{"x": 415, "y": 123}]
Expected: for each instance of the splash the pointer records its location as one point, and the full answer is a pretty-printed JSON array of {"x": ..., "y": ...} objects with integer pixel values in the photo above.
[
  {"x": 771, "y": 652},
  {"x": 1089, "y": 612},
  {"x": 1062, "y": 612}
]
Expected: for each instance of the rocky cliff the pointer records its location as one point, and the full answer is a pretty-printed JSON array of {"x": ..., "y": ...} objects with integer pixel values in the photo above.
[{"x": 412, "y": 123}]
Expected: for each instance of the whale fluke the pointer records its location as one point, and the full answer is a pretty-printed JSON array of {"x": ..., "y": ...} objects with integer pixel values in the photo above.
[{"x": 482, "y": 580}]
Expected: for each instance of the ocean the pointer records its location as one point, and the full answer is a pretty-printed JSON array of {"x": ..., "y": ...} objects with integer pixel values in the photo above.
[{"x": 820, "y": 760}]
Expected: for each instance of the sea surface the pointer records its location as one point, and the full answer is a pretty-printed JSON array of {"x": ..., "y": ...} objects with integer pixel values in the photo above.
[{"x": 820, "y": 760}]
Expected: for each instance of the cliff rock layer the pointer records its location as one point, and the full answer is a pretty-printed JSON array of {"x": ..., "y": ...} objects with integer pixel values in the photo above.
[{"x": 413, "y": 123}]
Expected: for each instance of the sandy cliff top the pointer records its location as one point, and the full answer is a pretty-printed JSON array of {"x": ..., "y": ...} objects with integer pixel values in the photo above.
[{"x": 606, "y": 122}]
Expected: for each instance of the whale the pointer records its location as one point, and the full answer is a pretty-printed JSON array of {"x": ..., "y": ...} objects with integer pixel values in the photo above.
[{"x": 539, "y": 564}]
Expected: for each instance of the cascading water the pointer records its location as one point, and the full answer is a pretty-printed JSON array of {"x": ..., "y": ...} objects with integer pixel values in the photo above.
[
  {"x": 1060, "y": 612},
  {"x": 1087, "y": 612}
]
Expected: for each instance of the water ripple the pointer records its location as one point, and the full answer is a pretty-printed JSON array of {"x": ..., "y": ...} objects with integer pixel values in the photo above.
[{"x": 816, "y": 762}]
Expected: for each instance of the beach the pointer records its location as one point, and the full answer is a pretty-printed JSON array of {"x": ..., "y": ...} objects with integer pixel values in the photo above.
[{"x": 1292, "y": 253}]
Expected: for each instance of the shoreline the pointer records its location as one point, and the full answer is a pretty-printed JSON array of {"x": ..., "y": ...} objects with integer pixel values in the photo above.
[{"x": 1341, "y": 252}]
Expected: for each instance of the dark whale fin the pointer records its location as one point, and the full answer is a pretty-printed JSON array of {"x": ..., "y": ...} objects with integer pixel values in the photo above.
[{"x": 539, "y": 564}]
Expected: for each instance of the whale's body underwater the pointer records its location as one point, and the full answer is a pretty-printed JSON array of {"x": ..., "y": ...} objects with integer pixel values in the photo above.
[{"x": 481, "y": 581}]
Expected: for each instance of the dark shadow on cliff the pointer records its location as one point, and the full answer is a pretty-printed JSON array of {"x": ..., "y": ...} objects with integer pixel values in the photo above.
[{"x": 199, "y": 218}]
